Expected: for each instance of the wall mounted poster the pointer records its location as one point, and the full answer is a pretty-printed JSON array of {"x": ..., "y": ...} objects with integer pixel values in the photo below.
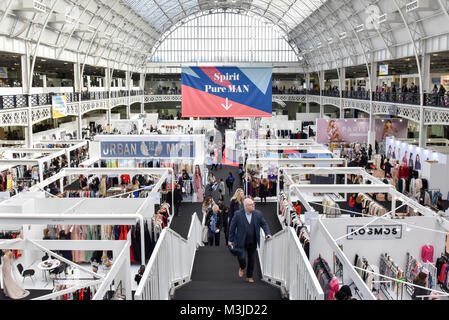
[
  {"x": 356, "y": 130},
  {"x": 226, "y": 91}
]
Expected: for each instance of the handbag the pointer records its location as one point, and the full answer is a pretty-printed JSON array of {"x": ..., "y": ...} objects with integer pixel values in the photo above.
[{"x": 204, "y": 235}]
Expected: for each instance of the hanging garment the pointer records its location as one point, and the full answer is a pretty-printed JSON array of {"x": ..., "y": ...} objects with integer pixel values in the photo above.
[{"x": 427, "y": 253}]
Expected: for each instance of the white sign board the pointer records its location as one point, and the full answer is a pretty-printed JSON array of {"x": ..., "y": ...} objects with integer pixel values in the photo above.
[{"x": 374, "y": 232}]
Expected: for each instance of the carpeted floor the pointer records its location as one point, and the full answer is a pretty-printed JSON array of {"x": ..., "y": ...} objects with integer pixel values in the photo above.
[
  {"x": 215, "y": 270},
  {"x": 215, "y": 277}
]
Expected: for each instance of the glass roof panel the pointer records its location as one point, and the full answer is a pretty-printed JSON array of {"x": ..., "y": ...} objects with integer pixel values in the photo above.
[{"x": 162, "y": 14}]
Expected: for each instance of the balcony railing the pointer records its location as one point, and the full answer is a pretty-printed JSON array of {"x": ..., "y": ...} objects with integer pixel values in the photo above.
[
  {"x": 21, "y": 101},
  {"x": 410, "y": 98}
]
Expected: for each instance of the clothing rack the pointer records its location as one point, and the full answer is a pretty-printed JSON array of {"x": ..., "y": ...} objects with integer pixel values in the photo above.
[
  {"x": 389, "y": 268},
  {"x": 371, "y": 207},
  {"x": 330, "y": 207}
]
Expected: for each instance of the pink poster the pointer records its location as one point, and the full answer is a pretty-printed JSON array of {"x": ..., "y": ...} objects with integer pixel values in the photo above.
[{"x": 356, "y": 130}]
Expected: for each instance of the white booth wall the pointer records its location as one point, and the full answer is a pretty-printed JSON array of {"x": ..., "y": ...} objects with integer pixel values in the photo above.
[{"x": 411, "y": 241}]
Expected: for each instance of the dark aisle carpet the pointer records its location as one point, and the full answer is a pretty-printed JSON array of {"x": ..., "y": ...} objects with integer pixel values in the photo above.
[
  {"x": 33, "y": 294},
  {"x": 215, "y": 277},
  {"x": 215, "y": 270},
  {"x": 181, "y": 224}
]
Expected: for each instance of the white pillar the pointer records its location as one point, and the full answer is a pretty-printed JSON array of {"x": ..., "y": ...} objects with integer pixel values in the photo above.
[
  {"x": 321, "y": 78},
  {"x": 44, "y": 80},
  {"x": 341, "y": 87},
  {"x": 26, "y": 77},
  {"x": 307, "y": 88},
  {"x": 128, "y": 80},
  {"x": 425, "y": 70},
  {"x": 373, "y": 80},
  {"x": 108, "y": 83},
  {"x": 78, "y": 90},
  {"x": 88, "y": 83}
]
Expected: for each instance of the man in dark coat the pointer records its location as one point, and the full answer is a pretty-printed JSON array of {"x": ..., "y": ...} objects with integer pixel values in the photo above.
[{"x": 244, "y": 234}]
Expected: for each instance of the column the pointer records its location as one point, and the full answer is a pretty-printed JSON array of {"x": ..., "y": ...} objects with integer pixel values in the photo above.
[
  {"x": 88, "y": 83},
  {"x": 372, "y": 85},
  {"x": 425, "y": 72},
  {"x": 44, "y": 80},
  {"x": 142, "y": 88},
  {"x": 425, "y": 69},
  {"x": 78, "y": 89},
  {"x": 373, "y": 79},
  {"x": 26, "y": 82},
  {"x": 321, "y": 79},
  {"x": 128, "y": 88},
  {"x": 307, "y": 88},
  {"x": 341, "y": 87},
  {"x": 108, "y": 81}
]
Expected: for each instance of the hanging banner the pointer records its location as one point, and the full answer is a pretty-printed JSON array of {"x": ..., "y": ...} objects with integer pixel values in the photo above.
[
  {"x": 147, "y": 149},
  {"x": 375, "y": 232},
  {"x": 59, "y": 106},
  {"x": 356, "y": 130},
  {"x": 226, "y": 91}
]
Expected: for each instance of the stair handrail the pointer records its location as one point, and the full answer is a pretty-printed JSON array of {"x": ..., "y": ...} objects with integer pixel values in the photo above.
[
  {"x": 284, "y": 262},
  {"x": 171, "y": 263}
]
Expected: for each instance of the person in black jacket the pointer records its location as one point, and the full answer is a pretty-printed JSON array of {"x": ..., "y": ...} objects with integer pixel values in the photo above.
[
  {"x": 177, "y": 199},
  {"x": 420, "y": 281},
  {"x": 388, "y": 167},
  {"x": 214, "y": 223}
]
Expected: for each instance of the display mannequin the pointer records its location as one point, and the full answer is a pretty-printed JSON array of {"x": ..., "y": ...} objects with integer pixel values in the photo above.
[{"x": 11, "y": 287}]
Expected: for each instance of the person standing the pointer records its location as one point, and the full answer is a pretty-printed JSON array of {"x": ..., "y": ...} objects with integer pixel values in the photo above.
[
  {"x": 214, "y": 223},
  {"x": 263, "y": 190},
  {"x": 388, "y": 167},
  {"x": 352, "y": 204},
  {"x": 244, "y": 234},
  {"x": 236, "y": 203},
  {"x": 177, "y": 199},
  {"x": 230, "y": 182},
  {"x": 222, "y": 189},
  {"x": 370, "y": 152}
]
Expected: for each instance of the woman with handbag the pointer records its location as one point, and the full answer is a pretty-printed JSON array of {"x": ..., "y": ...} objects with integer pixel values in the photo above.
[{"x": 213, "y": 224}]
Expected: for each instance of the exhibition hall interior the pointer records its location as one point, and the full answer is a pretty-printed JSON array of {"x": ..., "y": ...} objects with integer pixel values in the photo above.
[{"x": 252, "y": 150}]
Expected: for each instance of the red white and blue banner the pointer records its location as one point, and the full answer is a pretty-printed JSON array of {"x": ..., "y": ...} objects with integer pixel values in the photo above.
[{"x": 226, "y": 91}]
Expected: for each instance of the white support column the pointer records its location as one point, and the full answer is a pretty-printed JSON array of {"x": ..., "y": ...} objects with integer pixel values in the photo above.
[
  {"x": 341, "y": 87},
  {"x": 307, "y": 88},
  {"x": 78, "y": 89},
  {"x": 44, "y": 80},
  {"x": 372, "y": 84},
  {"x": 373, "y": 80},
  {"x": 128, "y": 80},
  {"x": 142, "y": 87},
  {"x": 322, "y": 74},
  {"x": 26, "y": 65},
  {"x": 425, "y": 69},
  {"x": 108, "y": 81}
]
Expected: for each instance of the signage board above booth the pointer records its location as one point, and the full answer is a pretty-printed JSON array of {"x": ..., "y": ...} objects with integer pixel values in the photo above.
[
  {"x": 374, "y": 232},
  {"x": 226, "y": 91},
  {"x": 147, "y": 149}
]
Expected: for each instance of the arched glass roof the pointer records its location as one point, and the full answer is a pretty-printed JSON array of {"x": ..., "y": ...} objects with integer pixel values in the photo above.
[
  {"x": 162, "y": 14},
  {"x": 225, "y": 37}
]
